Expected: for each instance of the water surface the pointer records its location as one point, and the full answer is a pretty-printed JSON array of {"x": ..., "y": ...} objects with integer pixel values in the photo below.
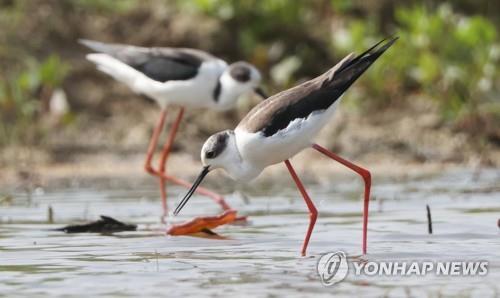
[{"x": 260, "y": 259}]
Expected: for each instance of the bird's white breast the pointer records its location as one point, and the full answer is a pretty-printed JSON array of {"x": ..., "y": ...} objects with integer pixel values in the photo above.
[{"x": 263, "y": 151}]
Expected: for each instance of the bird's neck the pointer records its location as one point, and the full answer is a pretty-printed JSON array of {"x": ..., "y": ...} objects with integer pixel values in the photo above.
[
  {"x": 227, "y": 91},
  {"x": 238, "y": 167}
]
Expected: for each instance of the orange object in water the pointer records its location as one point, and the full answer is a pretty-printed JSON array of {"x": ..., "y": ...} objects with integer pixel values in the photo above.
[{"x": 200, "y": 224}]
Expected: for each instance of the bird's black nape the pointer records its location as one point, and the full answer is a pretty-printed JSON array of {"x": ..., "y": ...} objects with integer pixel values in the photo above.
[{"x": 191, "y": 191}]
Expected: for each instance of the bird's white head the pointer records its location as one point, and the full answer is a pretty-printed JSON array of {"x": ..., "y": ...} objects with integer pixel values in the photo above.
[
  {"x": 239, "y": 78},
  {"x": 219, "y": 151}
]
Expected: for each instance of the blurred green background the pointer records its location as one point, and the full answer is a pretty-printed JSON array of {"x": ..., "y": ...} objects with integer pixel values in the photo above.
[{"x": 443, "y": 71}]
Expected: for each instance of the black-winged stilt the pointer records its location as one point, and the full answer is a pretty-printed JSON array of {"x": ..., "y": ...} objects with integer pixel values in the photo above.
[
  {"x": 175, "y": 77},
  {"x": 285, "y": 124}
]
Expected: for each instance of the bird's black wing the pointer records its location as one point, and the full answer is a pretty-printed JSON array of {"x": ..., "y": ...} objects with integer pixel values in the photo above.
[
  {"x": 164, "y": 69},
  {"x": 318, "y": 94},
  {"x": 159, "y": 64}
]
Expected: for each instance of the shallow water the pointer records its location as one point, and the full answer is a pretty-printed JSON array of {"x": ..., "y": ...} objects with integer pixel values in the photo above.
[{"x": 260, "y": 259}]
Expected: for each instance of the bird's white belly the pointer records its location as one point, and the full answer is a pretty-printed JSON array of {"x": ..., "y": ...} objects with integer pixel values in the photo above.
[{"x": 263, "y": 151}]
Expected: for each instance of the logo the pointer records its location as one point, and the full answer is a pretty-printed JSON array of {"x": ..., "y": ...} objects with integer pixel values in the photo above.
[{"x": 332, "y": 267}]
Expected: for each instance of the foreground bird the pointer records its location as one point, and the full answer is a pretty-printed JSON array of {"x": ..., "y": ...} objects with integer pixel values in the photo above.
[
  {"x": 285, "y": 124},
  {"x": 175, "y": 77}
]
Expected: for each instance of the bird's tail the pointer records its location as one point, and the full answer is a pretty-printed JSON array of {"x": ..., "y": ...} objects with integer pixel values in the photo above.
[
  {"x": 101, "y": 47},
  {"x": 115, "y": 68},
  {"x": 351, "y": 68}
]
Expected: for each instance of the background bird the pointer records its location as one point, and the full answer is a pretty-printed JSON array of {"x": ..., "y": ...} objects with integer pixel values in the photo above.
[{"x": 178, "y": 77}]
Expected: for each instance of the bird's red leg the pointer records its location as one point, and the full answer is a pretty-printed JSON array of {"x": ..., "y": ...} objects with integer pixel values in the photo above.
[
  {"x": 153, "y": 142},
  {"x": 313, "y": 212},
  {"x": 162, "y": 167},
  {"x": 367, "y": 178},
  {"x": 163, "y": 161},
  {"x": 163, "y": 176}
]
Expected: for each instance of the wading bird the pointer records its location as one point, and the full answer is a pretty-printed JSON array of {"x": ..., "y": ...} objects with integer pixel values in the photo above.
[
  {"x": 175, "y": 77},
  {"x": 285, "y": 124}
]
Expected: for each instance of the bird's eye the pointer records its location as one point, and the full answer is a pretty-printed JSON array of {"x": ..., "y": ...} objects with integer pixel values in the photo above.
[{"x": 210, "y": 154}]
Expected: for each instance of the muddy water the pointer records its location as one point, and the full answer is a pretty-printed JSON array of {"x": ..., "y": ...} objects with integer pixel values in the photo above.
[{"x": 259, "y": 259}]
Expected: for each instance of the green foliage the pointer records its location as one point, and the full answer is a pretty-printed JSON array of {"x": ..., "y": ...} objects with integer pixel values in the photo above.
[
  {"x": 447, "y": 57},
  {"x": 279, "y": 10},
  {"x": 442, "y": 55},
  {"x": 108, "y": 6},
  {"x": 255, "y": 25},
  {"x": 447, "y": 53},
  {"x": 21, "y": 97}
]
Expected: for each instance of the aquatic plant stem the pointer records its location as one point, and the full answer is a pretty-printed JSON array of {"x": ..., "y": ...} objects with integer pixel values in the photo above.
[{"x": 429, "y": 219}]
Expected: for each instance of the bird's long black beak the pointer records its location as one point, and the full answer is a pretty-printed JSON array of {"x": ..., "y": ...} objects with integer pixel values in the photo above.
[
  {"x": 195, "y": 185},
  {"x": 259, "y": 91}
]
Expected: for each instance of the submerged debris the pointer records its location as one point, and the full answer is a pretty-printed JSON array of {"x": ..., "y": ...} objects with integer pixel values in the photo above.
[
  {"x": 104, "y": 225},
  {"x": 209, "y": 234},
  {"x": 6, "y": 200},
  {"x": 202, "y": 224}
]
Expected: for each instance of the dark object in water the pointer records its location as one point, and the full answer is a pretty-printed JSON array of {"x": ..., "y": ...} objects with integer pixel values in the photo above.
[
  {"x": 429, "y": 219},
  {"x": 209, "y": 232},
  {"x": 202, "y": 224},
  {"x": 50, "y": 215},
  {"x": 104, "y": 225}
]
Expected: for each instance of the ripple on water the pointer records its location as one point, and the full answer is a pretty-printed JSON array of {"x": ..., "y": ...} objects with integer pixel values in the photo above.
[{"x": 260, "y": 258}]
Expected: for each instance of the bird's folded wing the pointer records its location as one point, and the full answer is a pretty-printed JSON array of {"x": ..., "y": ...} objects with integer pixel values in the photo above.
[
  {"x": 318, "y": 94},
  {"x": 160, "y": 64}
]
